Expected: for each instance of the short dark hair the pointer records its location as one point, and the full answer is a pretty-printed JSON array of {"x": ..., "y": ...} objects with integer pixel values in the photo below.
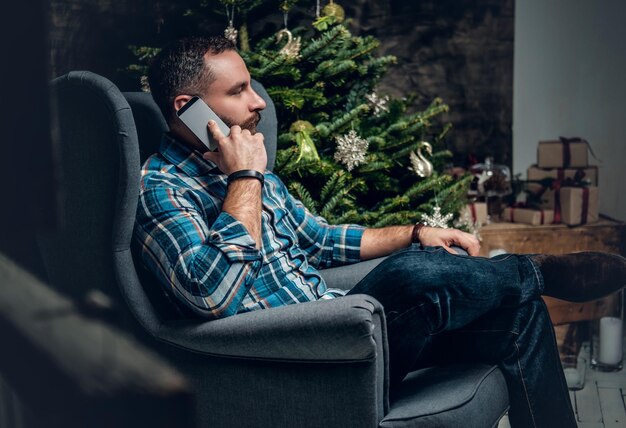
[{"x": 180, "y": 68}]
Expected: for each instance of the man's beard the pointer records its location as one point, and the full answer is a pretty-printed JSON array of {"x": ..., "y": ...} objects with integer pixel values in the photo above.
[{"x": 249, "y": 124}]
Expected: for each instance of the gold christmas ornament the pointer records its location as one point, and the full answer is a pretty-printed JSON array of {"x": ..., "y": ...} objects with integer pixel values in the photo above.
[
  {"x": 231, "y": 33},
  {"x": 145, "y": 85},
  {"x": 307, "y": 152},
  {"x": 301, "y": 126},
  {"x": 292, "y": 47},
  {"x": 419, "y": 164},
  {"x": 333, "y": 9}
]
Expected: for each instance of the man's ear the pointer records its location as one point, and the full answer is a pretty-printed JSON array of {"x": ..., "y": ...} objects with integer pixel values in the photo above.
[{"x": 180, "y": 101}]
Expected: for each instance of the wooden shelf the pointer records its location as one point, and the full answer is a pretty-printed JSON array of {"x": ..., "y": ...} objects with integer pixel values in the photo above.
[{"x": 604, "y": 235}]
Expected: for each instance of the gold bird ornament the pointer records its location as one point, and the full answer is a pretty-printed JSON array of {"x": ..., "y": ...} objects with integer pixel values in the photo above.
[
  {"x": 419, "y": 164},
  {"x": 292, "y": 47}
]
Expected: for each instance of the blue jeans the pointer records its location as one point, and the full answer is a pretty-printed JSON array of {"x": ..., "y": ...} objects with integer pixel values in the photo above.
[{"x": 443, "y": 308}]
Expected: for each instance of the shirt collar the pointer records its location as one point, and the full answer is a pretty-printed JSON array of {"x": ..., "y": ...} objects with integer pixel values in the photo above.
[{"x": 186, "y": 158}]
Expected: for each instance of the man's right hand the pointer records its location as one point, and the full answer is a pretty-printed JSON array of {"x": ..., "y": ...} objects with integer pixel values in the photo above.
[
  {"x": 240, "y": 150},
  {"x": 446, "y": 238}
]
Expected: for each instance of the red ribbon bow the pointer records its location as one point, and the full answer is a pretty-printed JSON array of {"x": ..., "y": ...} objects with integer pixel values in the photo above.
[
  {"x": 567, "y": 154},
  {"x": 556, "y": 185}
]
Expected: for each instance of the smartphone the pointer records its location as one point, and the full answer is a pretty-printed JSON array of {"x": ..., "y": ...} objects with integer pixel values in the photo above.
[{"x": 196, "y": 115}]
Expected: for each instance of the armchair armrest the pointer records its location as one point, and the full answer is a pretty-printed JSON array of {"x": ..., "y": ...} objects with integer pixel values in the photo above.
[{"x": 339, "y": 330}]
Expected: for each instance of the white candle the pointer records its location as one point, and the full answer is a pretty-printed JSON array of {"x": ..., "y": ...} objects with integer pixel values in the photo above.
[
  {"x": 610, "y": 341},
  {"x": 572, "y": 377}
]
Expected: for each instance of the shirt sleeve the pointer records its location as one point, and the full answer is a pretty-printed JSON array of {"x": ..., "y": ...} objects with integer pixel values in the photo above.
[
  {"x": 205, "y": 257},
  {"x": 325, "y": 245}
]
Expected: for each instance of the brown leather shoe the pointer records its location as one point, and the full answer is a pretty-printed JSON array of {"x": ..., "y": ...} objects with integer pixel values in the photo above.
[{"x": 579, "y": 277}]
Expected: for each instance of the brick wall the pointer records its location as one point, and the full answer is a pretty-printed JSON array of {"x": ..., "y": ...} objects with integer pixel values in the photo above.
[
  {"x": 94, "y": 34},
  {"x": 459, "y": 50}
]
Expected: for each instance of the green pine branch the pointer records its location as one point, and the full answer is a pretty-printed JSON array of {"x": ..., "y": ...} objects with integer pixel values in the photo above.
[
  {"x": 295, "y": 99},
  {"x": 325, "y": 129},
  {"x": 327, "y": 40},
  {"x": 301, "y": 193},
  {"x": 331, "y": 71}
]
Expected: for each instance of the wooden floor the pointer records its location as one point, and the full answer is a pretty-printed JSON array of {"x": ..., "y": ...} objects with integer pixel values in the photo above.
[{"x": 600, "y": 404}]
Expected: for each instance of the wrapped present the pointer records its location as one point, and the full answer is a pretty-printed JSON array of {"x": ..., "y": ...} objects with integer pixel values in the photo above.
[
  {"x": 572, "y": 205},
  {"x": 588, "y": 174},
  {"x": 563, "y": 153},
  {"x": 476, "y": 213},
  {"x": 532, "y": 216}
]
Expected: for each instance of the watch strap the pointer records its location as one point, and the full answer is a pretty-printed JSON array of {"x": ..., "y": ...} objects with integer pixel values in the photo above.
[
  {"x": 246, "y": 173},
  {"x": 415, "y": 234}
]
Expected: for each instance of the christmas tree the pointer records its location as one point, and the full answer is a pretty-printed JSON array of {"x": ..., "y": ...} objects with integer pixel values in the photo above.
[{"x": 348, "y": 153}]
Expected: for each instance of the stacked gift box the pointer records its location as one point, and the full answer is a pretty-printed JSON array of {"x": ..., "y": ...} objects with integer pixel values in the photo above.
[
  {"x": 475, "y": 214},
  {"x": 521, "y": 214},
  {"x": 565, "y": 183}
]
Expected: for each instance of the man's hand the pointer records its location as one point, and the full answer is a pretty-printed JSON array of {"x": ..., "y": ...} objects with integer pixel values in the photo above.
[
  {"x": 436, "y": 237},
  {"x": 240, "y": 150}
]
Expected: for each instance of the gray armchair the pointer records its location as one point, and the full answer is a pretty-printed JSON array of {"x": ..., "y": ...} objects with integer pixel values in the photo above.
[{"x": 318, "y": 364}]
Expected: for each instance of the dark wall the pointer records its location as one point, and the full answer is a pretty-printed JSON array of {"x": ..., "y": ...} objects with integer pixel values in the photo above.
[
  {"x": 459, "y": 50},
  {"x": 94, "y": 34},
  {"x": 29, "y": 197}
]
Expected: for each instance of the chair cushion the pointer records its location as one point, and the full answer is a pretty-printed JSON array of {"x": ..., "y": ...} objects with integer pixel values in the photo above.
[
  {"x": 346, "y": 277},
  {"x": 447, "y": 396}
]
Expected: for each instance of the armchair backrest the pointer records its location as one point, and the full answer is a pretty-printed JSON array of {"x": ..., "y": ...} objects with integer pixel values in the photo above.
[{"x": 98, "y": 173}]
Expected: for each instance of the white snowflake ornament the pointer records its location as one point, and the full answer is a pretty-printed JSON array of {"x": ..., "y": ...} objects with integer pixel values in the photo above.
[
  {"x": 437, "y": 220},
  {"x": 379, "y": 104},
  {"x": 351, "y": 150}
]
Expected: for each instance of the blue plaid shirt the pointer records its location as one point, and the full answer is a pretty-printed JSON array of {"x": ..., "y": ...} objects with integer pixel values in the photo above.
[{"x": 206, "y": 258}]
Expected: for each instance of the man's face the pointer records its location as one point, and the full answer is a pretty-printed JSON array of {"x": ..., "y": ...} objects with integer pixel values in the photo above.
[{"x": 230, "y": 95}]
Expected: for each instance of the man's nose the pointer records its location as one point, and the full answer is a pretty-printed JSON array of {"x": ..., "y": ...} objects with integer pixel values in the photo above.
[{"x": 257, "y": 103}]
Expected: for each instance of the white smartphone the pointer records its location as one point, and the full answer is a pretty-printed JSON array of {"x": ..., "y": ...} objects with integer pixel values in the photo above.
[{"x": 196, "y": 115}]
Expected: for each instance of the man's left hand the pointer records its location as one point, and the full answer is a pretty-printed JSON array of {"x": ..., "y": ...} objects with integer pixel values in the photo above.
[{"x": 446, "y": 238}]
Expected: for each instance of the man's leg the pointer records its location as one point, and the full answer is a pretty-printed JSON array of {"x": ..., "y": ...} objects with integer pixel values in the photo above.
[
  {"x": 522, "y": 342},
  {"x": 443, "y": 292},
  {"x": 427, "y": 293}
]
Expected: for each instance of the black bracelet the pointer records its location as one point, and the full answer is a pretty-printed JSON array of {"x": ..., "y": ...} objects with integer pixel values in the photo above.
[
  {"x": 416, "y": 233},
  {"x": 246, "y": 173}
]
